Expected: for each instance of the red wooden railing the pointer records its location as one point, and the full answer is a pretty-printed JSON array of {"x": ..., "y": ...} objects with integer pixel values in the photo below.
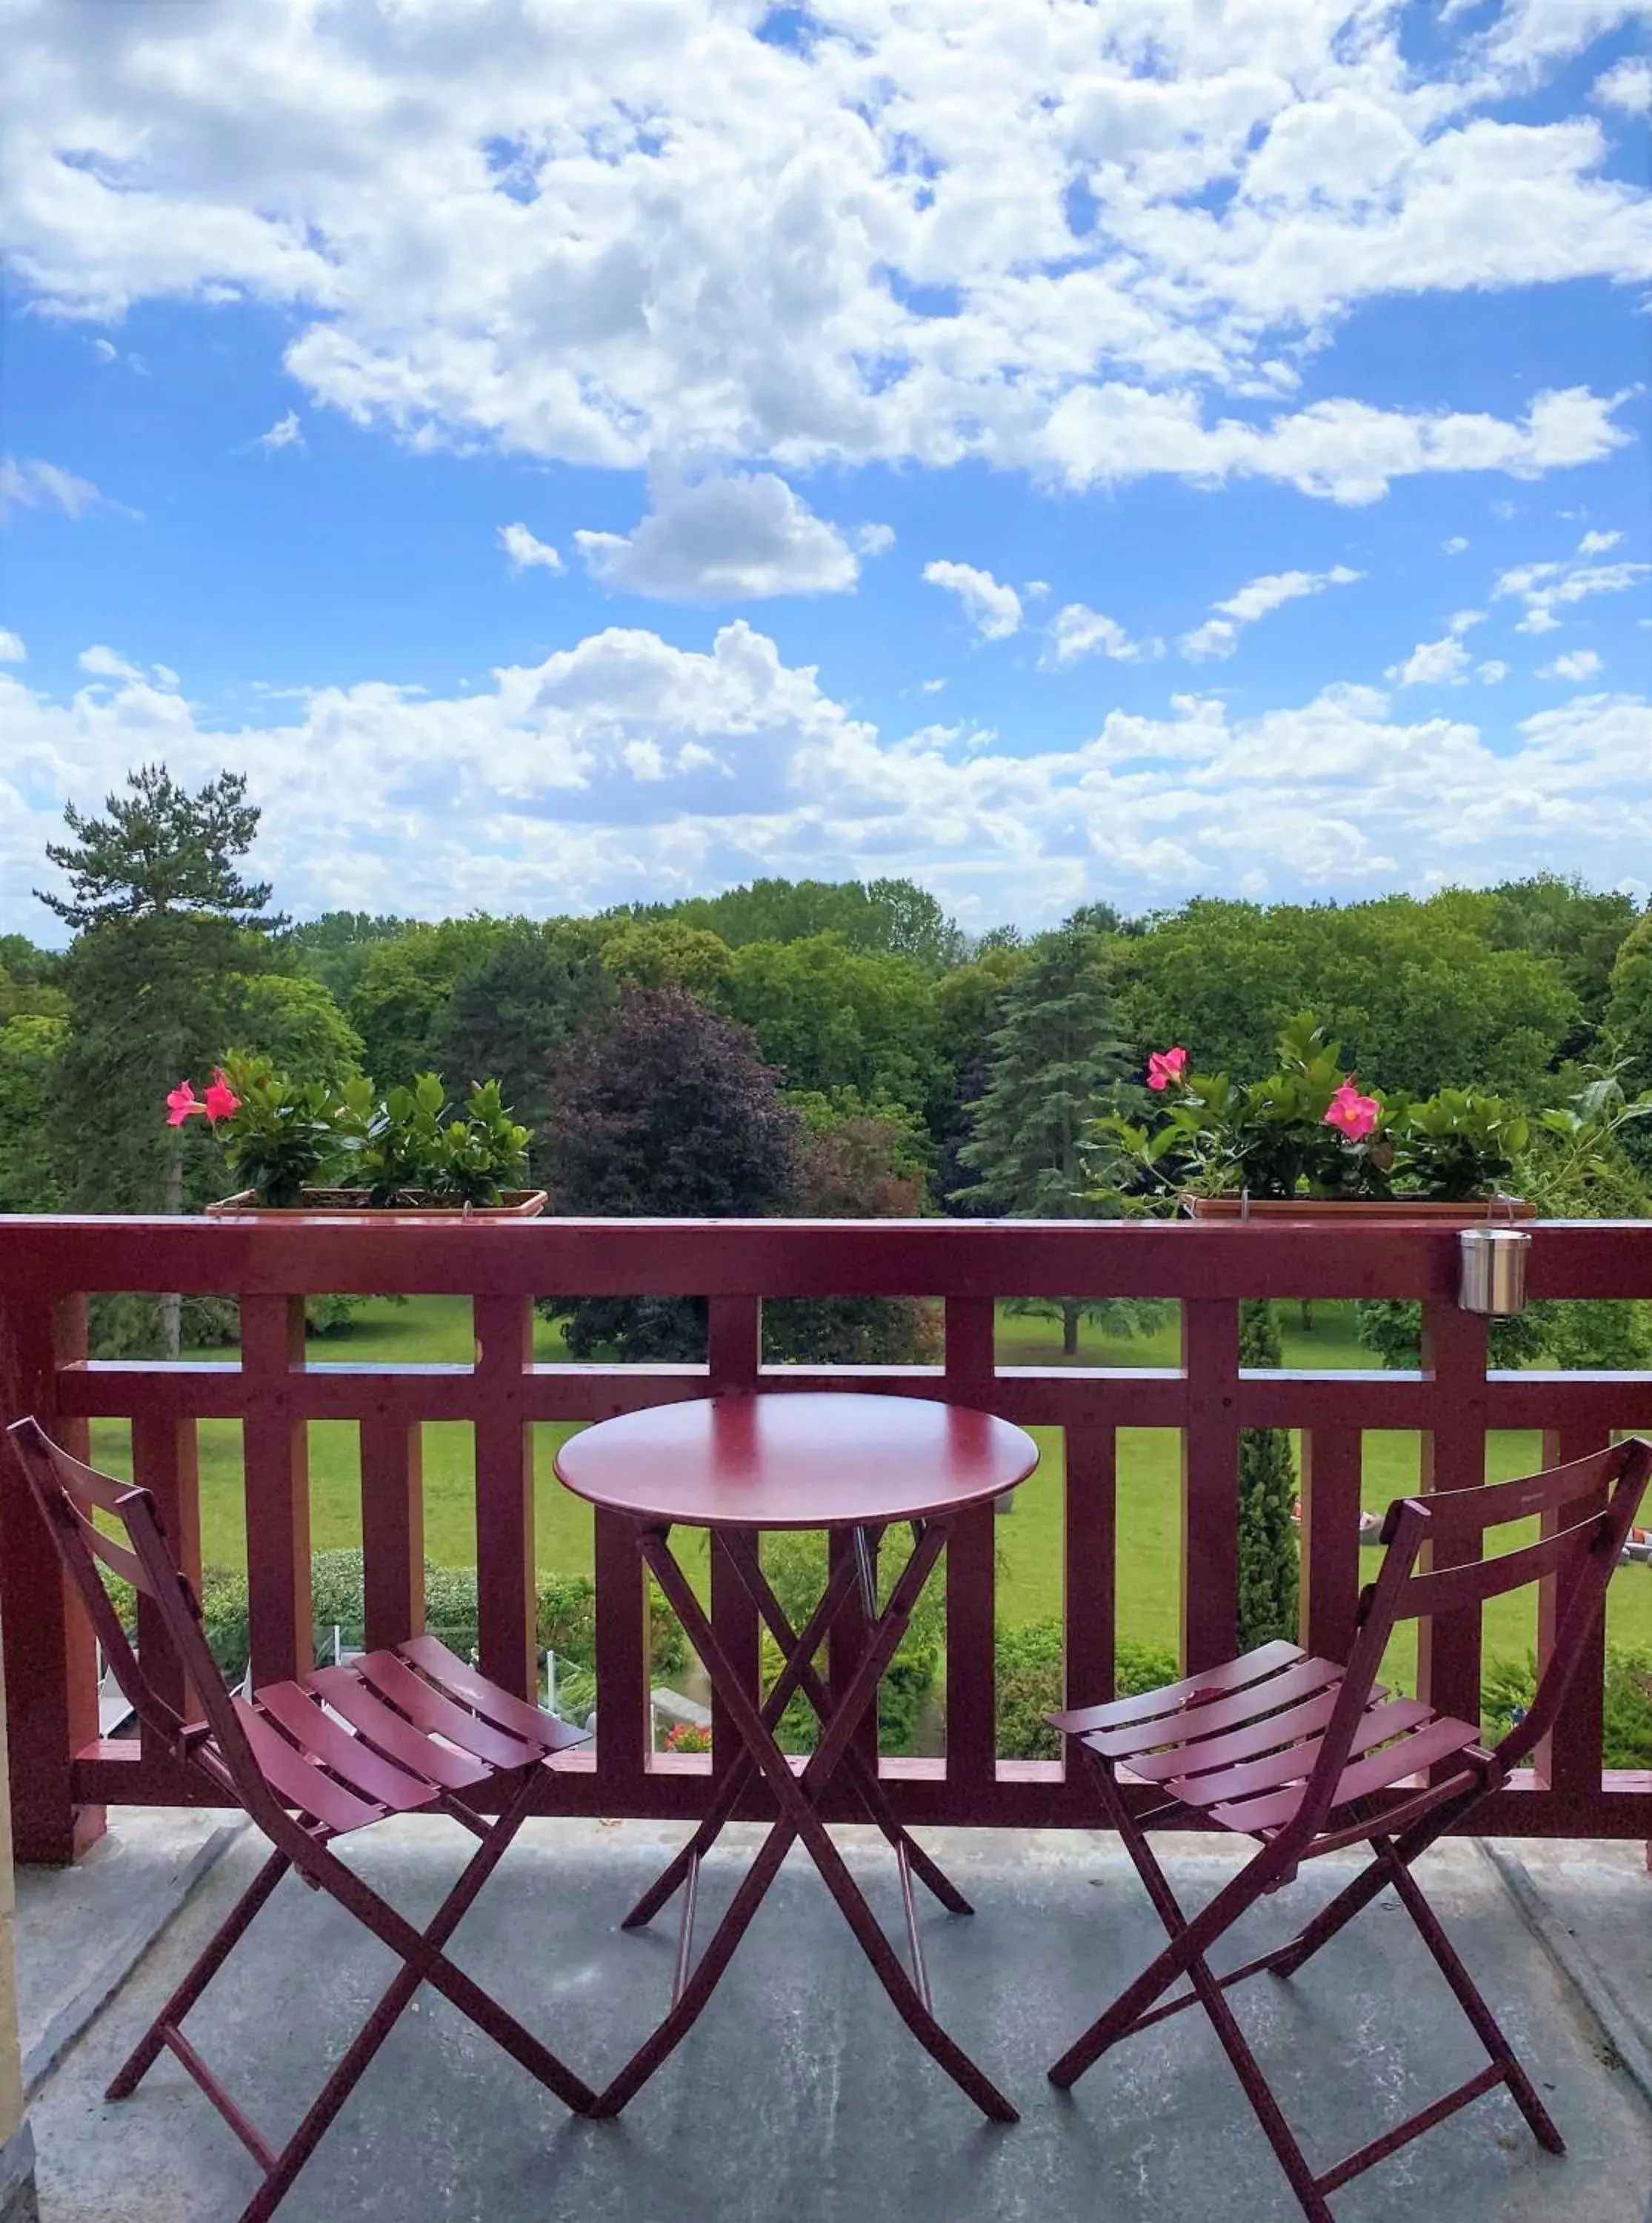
[{"x": 62, "y": 1774}]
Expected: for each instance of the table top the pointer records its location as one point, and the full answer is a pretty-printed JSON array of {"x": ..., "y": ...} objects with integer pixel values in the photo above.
[{"x": 807, "y": 1459}]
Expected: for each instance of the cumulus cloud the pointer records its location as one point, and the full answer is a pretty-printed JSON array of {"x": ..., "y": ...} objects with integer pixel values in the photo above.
[
  {"x": 105, "y": 350},
  {"x": 1628, "y": 85},
  {"x": 1454, "y": 547},
  {"x": 1433, "y": 663},
  {"x": 37, "y": 485},
  {"x": 1491, "y": 672},
  {"x": 1219, "y": 636},
  {"x": 697, "y": 244},
  {"x": 1578, "y": 664},
  {"x": 624, "y": 766},
  {"x": 105, "y": 664},
  {"x": 729, "y": 536},
  {"x": 993, "y": 609},
  {"x": 1544, "y": 588},
  {"x": 286, "y": 432},
  {"x": 11, "y": 647},
  {"x": 1596, "y": 543},
  {"x": 1077, "y": 632},
  {"x": 525, "y": 551}
]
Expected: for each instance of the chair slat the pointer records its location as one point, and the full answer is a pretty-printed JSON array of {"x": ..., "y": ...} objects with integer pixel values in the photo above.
[
  {"x": 1294, "y": 1764},
  {"x": 393, "y": 1733},
  {"x": 298, "y": 1782},
  {"x": 1408, "y": 1756},
  {"x": 428, "y": 1709},
  {"x": 1455, "y": 1590},
  {"x": 1301, "y": 1681},
  {"x": 1148, "y": 1705},
  {"x": 1245, "y": 1743},
  {"x": 361, "y": 1769},
  {"x": 116, "y": 1556},
  {"x": 432, "y": 1658},
  {"x": 1460, "y": 1515}
]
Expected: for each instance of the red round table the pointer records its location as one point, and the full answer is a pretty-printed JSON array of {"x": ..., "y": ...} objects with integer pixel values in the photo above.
[{"x": 820, "y": 1460}]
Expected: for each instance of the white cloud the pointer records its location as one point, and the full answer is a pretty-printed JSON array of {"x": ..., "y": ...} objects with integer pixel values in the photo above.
[
  {"x": 624, "y": 766},
  {"x": 11, "y": 647},
  {"x": 1597, "y": 543},
  {"x": 684, "y": 243},
  {"x": 105, "y": 350},
  {"x": 1077, "y": 632},
  {"x": 873, "y": 539},
  {"x": 286, "y": 432},
  {"x": 105, "y": 664},
  {"x": 1553, "y": 585},
  {"x": 993, "y": 609},
  {"x": 1628, "y": 85},
  {"x": 166, "y": 675},
  {"x": 36, "y": 485},
  {"x": 524, "y": 551},
  {"x": 933, "y": 686},
  {"x": 728, "y": 538},
  {"x": 1219, "y": 636},
  {"x": 1579, "y": 664},
  {"x": 1491, "y": 672},
  {"x": 1216, "y": 637},
  {"x": 1433, "y": 663},
  {"x": 1454, "y": 547}
]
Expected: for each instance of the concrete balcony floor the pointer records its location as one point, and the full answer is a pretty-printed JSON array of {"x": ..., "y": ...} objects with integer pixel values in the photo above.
[{"x": 800, "y": 2095}]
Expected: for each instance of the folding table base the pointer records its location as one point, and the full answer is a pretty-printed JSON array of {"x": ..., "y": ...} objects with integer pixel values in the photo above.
[{"x": 798, "y": 1798}]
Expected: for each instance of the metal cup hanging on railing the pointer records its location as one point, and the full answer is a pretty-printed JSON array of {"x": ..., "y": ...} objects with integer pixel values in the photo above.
[{"x": 1492, "y": 1263}]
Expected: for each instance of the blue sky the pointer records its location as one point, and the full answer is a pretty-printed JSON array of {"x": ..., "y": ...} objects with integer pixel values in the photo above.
[{"x": 1057, "y": 450}]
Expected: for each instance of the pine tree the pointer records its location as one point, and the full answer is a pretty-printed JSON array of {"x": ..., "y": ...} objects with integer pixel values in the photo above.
[
  {"x": 1054, "y": 1058},
  {"x": 167, "y": 931},
  {"x": 1267, "y": 1488}
]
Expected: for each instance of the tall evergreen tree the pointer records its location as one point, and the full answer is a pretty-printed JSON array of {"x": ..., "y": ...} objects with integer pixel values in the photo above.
[
  {"x": 167, "y": 931},
  {"x": 1267, "y": 1488},
  {"x": 1054, "y": 1059}
]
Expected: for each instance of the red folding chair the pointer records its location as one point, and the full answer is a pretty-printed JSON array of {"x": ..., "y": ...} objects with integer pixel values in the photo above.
[
  {"x": 1309, "y": 1756},
  {"x": 398, "y": 1732}
]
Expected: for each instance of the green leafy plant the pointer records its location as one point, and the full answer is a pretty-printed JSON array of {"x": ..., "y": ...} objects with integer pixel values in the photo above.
[
  {"x": 408, "y": 1145},
  {"x": 1305, "y": 1129}
]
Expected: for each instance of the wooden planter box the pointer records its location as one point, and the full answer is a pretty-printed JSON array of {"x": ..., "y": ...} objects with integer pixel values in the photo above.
[
  {"x": 514, "y": 1204},
  {"x": 1496, "y": 1210}
]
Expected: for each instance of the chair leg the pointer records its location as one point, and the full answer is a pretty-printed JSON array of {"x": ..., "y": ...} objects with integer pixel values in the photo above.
[
  {"x": 149, "y": 2048},
  {"x": 1485, "y": 2024}
]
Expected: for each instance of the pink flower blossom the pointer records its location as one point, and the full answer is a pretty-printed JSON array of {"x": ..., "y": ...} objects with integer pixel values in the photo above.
[
  {"x": 1352, "y": 1114},
  {"x": 181, "y": 1103},
  {"x": 221, "y": 1099},
  {"x": 1164, "y": 1065}
]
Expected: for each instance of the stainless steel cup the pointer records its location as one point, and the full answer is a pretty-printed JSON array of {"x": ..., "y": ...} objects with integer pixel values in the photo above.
[{"x": 1493, "y": 1270}]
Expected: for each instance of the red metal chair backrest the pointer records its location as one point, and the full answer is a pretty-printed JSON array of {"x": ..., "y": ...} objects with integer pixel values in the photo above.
[
  {"x": 70, "y": 1495},
  {"x": 1596, "y": 1500},
  {"x": 1598, "y": 1497}
]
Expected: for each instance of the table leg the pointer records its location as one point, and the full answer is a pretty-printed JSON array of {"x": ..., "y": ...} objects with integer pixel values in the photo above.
[{"x": 796, "y": 1796}]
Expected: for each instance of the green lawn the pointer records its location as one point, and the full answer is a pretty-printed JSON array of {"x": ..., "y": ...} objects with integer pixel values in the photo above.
[{"x": 438, "y": 1328}]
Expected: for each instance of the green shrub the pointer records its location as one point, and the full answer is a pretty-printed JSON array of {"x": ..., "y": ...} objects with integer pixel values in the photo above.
[
  {"x": 1029, "y": 1684},
  {"x": 1627, "y": 1743}
]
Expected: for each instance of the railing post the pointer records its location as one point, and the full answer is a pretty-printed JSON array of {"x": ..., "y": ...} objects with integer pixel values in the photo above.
[
  {"x": 1210, "y": 1482},
  {"x": 1089, "y": 1565},
  {"x": 1569, "y": 1759},
  {"x": 392, "y": 1528},
  {"x": 1332, "y": 1472},
  {"x": 51, "y": 1654},
  {"x": 971, "y": 1638},
  {"x": 507, "y": 1639},
  {"x": 165, "y": 1461},
  {"x": 733, "y": 1350},
  {"x": 275, "y": 1453},
  {"x": 1453, "y": 1458}
]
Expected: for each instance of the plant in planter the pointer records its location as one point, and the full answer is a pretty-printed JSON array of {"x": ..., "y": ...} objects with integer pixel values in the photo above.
[
  {"x": 1304, "y": 1132},
  {"x": 298, "y": 1144}
]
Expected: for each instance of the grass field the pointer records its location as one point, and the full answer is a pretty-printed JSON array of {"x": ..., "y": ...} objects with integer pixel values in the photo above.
[{"x": 438, "y": 1328}]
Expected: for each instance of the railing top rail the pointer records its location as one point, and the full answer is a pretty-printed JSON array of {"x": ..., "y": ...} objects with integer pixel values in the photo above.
[{"x": 371, "y": 1253}]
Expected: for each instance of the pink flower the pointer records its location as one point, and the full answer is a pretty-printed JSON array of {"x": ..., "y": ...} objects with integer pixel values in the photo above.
[
  {"x": 181, "y": 1103},
  {"x": 221, "y": 1099},
  {"x": 1352, "y": 1114},
  {"x": 1164, "y": 1065}
]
